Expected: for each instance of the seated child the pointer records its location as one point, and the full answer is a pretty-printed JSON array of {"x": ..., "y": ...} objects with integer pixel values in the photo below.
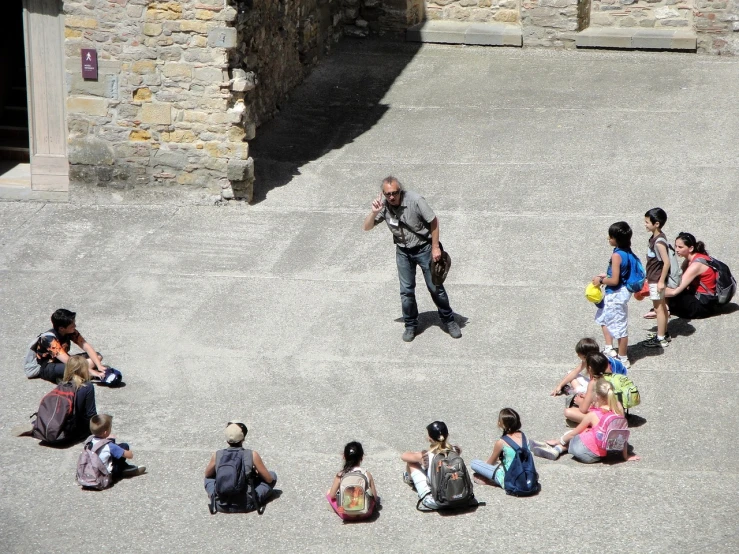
[
  {"x": 598, "y": 365},
  {"x": 362, "y": 493},
  {"x": 52, "y": 350},
  {"x": 492, "y": 471},
  {"x": 113, "y": 455},
  {"x": 587, "y": 442},
  {"x": 577, "y": 383}
]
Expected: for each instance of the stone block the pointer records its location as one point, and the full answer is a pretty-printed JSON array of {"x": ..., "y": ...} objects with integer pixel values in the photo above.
[
  {"x": 494, "y": 34},
  {"x": 169, "y": 158},
  {"x": 158, "y": 114},
  {"x": 440, "y": 31},
  {"x": 164, "y": 10},
  {"x": 240, "y": 170},
  {"x": 178, "y": 136},
  {"x": 222, "y": 37},
  {"x": 602, "y": 37},
  {"x": 87, "y": 105},
  {"x": 90, "y": 151},
  {"x": 139, "y": 135},
  {"x": 78, "y": 85},
  {"x": 208, "y": 74},
  {"x": 508, "y": 16},
  {"x": 195, "y": 27},
  {"x": 205, "y": 15},
  {"x": 80, "y": 22},
  {"x": 652, "y": 39},
  {"x": 684, "y": 40},
  {"x": 142, "y": 94},
  {"x": 152, "y": 29},
  {"x": 143, "y": 66},
  {"x": 72, "y": 33},
  {"x": 177, "y": 71}
]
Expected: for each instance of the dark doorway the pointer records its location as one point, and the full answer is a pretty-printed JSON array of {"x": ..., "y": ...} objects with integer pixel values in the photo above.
[{"x": 13, "y": 96}]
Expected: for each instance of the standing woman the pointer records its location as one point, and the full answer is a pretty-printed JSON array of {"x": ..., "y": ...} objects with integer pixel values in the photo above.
[{"x": 695, "y": 297}]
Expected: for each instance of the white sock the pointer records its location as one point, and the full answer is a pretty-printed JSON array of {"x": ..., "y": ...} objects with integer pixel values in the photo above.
[
  {"x": 623, "y": 358},
  {"x": 660, "y": 338},
  {"x": 607, "y": 347}
]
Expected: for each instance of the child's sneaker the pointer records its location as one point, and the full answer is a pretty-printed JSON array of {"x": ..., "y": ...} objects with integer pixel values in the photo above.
[
  {"x": 654, "y": 342},
  {"x": 610, "y": 352},
  {"x": 543, "y": 450},
  {"x": 652, "y": 334},
  {"x": 133, "y": 471},
  {"x": 408, "y": 481}
]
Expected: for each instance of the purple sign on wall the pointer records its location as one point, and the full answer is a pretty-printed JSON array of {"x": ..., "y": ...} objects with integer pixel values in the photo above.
[{"x": 89, "y": 63}]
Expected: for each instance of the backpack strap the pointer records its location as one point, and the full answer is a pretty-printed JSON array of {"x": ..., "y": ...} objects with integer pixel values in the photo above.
[
  {"x": 99, "y": 446},
  {"x": 251, "y": 475},
  {"x": 510, "y": 442}
]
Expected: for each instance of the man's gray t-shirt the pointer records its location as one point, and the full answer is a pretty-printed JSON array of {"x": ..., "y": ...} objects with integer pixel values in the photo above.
[{"x": 409, "y": 221}]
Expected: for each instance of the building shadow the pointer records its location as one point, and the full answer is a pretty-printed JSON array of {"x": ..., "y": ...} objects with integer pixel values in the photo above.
[{"x": 338, "y": 102}]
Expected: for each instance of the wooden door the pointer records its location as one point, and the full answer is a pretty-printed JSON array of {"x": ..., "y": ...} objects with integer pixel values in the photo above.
[{"x": 43, "y": 26}]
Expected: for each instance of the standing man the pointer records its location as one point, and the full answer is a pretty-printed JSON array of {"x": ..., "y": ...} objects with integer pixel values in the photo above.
[{"x": 415, "y": 230}]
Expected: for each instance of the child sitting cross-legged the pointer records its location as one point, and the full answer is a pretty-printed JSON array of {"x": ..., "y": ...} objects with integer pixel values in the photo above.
[
  {"x": 353, "y": 495},
  {"x": 587, "y": 442},
  {"x": 112, "y": 455}
]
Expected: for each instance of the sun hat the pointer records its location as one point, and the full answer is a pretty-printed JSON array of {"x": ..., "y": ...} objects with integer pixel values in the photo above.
[{"x": 593, "y": 293}]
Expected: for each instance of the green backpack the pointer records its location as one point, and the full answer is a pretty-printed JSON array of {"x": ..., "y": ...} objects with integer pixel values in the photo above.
[{"x": 625, "y": 389}]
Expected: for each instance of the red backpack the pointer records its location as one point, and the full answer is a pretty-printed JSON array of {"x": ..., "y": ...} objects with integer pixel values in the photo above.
[{"x": 55, "y": 415}]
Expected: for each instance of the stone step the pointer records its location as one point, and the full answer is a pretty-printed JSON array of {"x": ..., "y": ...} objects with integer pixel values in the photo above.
[
  {"x": 637, "y": 39},
  {"x": 456, "y": 32}
]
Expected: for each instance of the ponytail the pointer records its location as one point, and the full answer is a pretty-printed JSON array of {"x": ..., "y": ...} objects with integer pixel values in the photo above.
[
  {"x": 604, "y": 391},
  {"x": 353, "y": 454},
  {"x": 689, "y": 240}
]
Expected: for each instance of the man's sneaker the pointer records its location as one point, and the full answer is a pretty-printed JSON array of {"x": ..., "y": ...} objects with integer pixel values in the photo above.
[
  {"x": 543, "y": 450},
  {"x": 453, "y": 329},
  {"x": 409, "y": 334},
  {"x": 654, "y": 342},
  {"x": 610, "y": 352},
  {"x": 133, "y": 471},
  {"x": 652, "y": 334}
]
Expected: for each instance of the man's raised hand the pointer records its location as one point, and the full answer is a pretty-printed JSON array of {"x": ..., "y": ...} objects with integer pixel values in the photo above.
[{"x": 377, "y": 204}]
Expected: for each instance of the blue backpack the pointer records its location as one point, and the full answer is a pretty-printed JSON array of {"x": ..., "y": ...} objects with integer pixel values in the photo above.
[
  {"x": 521, "y": 478},
  {"x": 637, "y": 276}
]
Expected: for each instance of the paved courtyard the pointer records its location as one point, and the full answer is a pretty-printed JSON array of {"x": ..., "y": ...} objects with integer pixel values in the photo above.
[{"x": 285, "y": 313}]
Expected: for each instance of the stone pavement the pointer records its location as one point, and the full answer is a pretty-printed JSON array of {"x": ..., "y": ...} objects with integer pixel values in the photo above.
[{"x": 285, "y": 313}]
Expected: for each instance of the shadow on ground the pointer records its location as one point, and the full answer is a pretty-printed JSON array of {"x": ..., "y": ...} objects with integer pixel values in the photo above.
[
  {"x": 339, "y": 101},
  {"x": 426, "y": 320}
]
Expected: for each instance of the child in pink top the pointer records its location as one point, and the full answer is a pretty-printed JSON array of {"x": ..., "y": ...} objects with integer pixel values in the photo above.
[{"x": 586, "y": 442}]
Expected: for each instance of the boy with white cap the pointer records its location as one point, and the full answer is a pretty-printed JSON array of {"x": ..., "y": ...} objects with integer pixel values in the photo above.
[{"x": 236, "y": 479}]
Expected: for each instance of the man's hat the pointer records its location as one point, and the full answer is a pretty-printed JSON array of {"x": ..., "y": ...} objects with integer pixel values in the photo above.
[{"x": 440, "y": 269}]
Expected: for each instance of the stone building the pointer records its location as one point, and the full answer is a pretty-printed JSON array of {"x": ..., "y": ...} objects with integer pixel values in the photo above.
[{"x": 141, "y": 100}]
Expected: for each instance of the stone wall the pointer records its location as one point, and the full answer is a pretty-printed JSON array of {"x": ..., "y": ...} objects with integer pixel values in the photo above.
[
  {"x": 504, "y": 11},
  {"x": 160, "y": 116},
  {"x": 279, "y": 41},
  {"x": 553, "y": 23},
  {"x": 641, "y": 13}
]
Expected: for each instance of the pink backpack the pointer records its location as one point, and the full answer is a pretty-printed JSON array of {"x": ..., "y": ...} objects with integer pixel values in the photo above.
[
  {"x": 613, "y": 432},
  {"x": 91, "y": 471}
]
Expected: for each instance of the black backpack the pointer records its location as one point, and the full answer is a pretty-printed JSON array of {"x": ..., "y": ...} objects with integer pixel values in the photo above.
[
  {"x": 521, "y": 478},
  {"x": 725, "y": 282},
  {"x": 235, "y": 487},
  {"x": 55, "y": 415},
  {"x": 451, "y": 486}
]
